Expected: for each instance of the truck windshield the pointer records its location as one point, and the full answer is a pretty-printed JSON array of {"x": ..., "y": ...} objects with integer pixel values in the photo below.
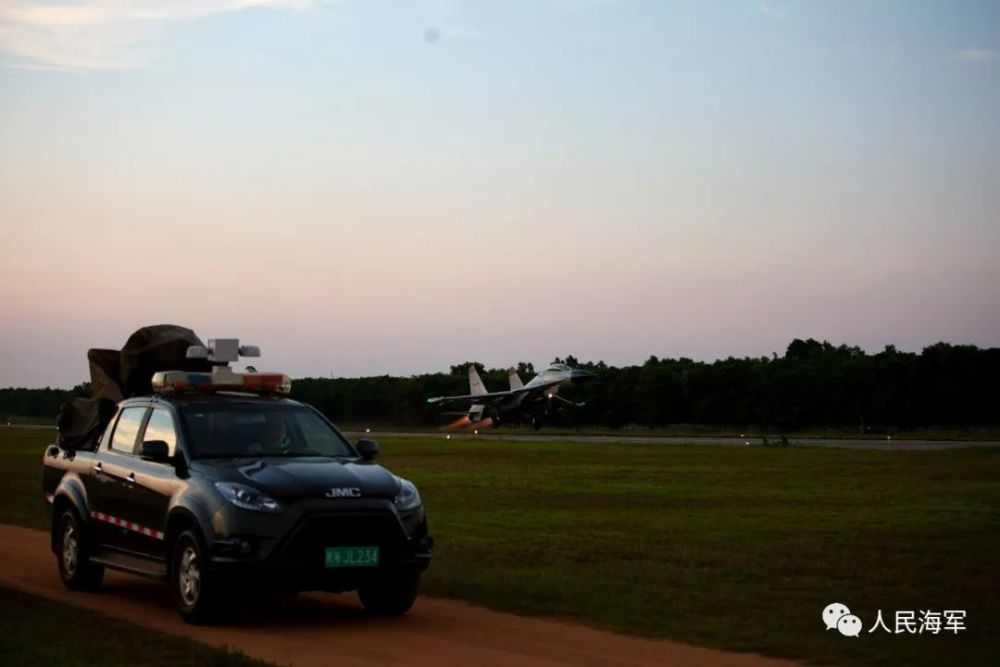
[{"x": 234, "y": 430}]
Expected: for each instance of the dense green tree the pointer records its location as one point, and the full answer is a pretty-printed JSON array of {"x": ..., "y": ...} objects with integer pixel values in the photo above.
[{"x": 814, "y": 384}]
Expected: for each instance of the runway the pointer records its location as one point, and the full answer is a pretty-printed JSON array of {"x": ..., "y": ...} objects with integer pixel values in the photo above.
[{"x": 890, "y": 444}]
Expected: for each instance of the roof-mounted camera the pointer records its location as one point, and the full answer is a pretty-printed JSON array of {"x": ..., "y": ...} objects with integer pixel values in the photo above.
[{"x": 222, "y": 351}]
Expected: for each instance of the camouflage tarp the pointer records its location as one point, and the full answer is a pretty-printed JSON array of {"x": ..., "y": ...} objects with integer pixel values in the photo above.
[
  {"x": 116, "y": 375},
  {"x": 81, "y": 421},
  {"x": 105, "y": 368},
  {"x": 157, "y": 348}
]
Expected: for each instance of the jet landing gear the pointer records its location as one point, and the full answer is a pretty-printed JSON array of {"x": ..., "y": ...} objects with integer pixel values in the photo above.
[{"x": 536, "y": 423}]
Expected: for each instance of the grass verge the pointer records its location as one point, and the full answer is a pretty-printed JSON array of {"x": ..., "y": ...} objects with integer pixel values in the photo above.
[
  {"x": 733, "y": 547},
  {"x": 44, "y": 633}
]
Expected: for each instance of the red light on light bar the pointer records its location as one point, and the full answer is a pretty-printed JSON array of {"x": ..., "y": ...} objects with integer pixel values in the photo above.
[
  {"x": 165, "y": 382},
  {"x": 270, "y": 383}
]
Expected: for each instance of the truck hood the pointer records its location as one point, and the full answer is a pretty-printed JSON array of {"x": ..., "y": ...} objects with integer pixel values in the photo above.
[{"x": 306, "y": 477}]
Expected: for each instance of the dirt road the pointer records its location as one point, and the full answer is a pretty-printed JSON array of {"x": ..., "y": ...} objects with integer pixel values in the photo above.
[{"x": 320, "y": 629}]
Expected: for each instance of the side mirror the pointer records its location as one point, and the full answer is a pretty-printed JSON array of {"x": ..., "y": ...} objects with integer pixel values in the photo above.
[
  {"x": 155, "y": 450},
  {"x": 368, "y": 449}
]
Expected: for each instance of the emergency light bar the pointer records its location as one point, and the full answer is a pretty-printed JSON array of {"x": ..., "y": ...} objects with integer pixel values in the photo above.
[{"x": 168, "y": 382}]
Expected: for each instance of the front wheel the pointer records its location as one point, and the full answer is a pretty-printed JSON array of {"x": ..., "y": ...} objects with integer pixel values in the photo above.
[
  {"x": 391, "y": 595},
  {"x": 73, "y": 554},
  {"x": 191, "y": 584}
]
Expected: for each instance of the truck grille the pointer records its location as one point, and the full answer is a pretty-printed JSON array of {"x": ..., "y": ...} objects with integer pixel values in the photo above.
[{"x": 306, "y": 545}]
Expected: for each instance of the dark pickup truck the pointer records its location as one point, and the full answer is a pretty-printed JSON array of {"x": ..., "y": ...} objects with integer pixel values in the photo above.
[{"x": 217, "y": 491}]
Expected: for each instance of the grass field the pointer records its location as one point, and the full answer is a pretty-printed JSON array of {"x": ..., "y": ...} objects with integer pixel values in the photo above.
[
  {"x": 45, "y": 633},
  {"x": 34, "y": 421},
  {"x": 737, "y": 548}
]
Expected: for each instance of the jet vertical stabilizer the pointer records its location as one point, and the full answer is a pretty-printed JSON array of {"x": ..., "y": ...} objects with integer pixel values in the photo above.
[
  {"x": 515, "y": 379},
  {"x": 476, "y": 386}
]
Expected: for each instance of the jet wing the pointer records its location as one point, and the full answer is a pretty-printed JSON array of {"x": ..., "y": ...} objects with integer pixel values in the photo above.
[
  {"x": 490, "y": 397},
  {"x": 493, "y": 396}
]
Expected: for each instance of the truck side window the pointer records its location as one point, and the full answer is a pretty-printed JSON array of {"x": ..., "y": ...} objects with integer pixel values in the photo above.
[
  {"x": 127, "y": 428},
  {"x": 105, "y": 434},
  {"x": 161, "y": 427}
]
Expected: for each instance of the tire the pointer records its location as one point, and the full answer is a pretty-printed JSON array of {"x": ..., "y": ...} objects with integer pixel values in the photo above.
[
  {"x": 392, "y": 595},
  {"x": 72, "y": 547},
  {"x": 192, "y": 585}
]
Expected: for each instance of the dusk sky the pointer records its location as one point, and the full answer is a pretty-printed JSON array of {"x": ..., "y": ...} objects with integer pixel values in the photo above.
[{"x": 392, "y": 187}]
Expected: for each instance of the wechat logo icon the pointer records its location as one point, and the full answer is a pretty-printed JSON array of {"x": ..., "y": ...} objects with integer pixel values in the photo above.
[{"x": 838, "y": 617}]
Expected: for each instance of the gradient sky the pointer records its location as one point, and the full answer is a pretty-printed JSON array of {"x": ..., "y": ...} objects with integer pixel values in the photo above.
[{"x": 393, "y": 187}]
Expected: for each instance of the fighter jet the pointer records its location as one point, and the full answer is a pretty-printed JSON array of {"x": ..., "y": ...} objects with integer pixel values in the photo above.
[{"x": 537, "y": 399}]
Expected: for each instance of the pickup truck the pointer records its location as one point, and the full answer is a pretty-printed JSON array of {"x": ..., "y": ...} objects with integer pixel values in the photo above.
[{"x": 218, "y": 491}]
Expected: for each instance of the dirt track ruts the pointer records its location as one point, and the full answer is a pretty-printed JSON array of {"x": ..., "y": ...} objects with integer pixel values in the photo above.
[{"x": 320, "y": 629}]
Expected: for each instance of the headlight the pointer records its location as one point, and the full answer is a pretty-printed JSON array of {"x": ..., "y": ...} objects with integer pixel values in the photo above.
[
  {"x": 247, "y": 497},
  {"x": 408, "y": 497}
]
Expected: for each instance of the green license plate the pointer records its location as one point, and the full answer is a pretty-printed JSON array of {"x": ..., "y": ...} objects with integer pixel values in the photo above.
[{"x": 352, "y": 556}]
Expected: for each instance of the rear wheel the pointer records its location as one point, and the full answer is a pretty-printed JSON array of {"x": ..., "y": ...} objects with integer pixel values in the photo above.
[
  {"x": 191, "y": 584},
  {"x": 73, "y": 554},
  {"x": 391, "y": 595}
]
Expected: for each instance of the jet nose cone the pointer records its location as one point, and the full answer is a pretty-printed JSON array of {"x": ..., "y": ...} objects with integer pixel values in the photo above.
[{"x": 579, "y": 376}]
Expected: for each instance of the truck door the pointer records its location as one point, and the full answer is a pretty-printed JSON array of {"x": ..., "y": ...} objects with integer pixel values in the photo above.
[
  {"x": 98, "y": 487},
  {"x": 113, "y": 467},
  {"x": 155, "y": 484}
]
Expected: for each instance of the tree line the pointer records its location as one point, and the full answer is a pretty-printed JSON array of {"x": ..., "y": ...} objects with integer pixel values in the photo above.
[{"x": 813, "y": 385}]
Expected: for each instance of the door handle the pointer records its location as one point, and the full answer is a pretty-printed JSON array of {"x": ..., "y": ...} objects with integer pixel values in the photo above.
[
  {"x": 131, "y": 478},
  {"x": 98, "y": 468}
]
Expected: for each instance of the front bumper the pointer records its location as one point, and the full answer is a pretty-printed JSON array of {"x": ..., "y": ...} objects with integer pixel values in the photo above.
[{"x": 294, "y": 559}]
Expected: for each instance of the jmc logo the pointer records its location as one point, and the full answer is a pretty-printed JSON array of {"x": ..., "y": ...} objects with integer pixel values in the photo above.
[{"x": 344, "y": 492}]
